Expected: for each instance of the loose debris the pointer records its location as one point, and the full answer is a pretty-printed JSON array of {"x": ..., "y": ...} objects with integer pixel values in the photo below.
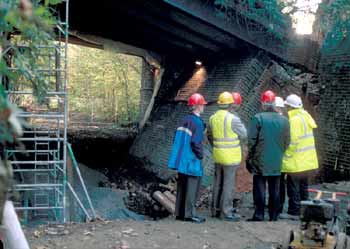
[
  {"x": 54, "y": 230},
  {"x": 36, "y": 234},
  {"x": 154, "y": 199},
  {"x": 42, "y": 247},
  {"x": 88, "y": 233},
  {"x": 142, "y": 198},
  {"x": 124, "y": 245},
  {"x": 129, "y": 232}
]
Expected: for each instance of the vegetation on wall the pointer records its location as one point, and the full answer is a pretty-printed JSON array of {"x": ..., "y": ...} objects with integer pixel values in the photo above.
[
  {"x": 335, "y": 25},
  {"x": 103, "y": 86},
  {"x": 266, "y": 12}
]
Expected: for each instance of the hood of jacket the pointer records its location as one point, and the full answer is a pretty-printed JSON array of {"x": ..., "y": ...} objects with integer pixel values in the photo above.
[{"x": 307, "y": 117}]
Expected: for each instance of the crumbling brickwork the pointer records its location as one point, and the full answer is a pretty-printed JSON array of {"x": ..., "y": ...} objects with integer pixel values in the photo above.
[
  {"x": 303, "y": 51},
  {"x": 334, "y": 115}
]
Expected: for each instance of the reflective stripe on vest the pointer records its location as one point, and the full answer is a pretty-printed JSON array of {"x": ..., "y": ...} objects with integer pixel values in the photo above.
[
  {"x": 301, "y": 154},
  {"x": 226, "y": 138},
  {"x": 311, "y": 147},
  {"x": 305, "y": 136},
  {"x": 226, "y": 144}
]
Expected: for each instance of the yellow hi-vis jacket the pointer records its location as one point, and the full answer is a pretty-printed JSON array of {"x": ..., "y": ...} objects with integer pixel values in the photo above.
[
  {"x": 226, "y": 145},
  {"x": 301, "y": 154}
]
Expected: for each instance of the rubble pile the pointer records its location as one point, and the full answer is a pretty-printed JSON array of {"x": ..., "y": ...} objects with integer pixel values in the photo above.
[
  {"x": 141, "y": 187},
  {"x": 143, "y": 201},
  {"x": 141, "y": 192}
]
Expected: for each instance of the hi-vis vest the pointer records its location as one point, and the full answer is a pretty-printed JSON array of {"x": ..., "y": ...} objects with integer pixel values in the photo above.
[
  {"x": 226, "y": 145},
  {"x": 301, "y": 154}
]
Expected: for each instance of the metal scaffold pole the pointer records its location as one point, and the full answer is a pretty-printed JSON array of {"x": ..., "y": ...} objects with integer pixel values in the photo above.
[
  {"x": 65, "y": 110},
  {"x": 40, "y": 167}
]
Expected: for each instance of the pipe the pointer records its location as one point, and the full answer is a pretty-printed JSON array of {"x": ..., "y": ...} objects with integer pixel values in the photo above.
[
  {"x": 78, "y": 200},
  {"x": 170, "y": 196},
  {"x": 164, "y": 201},
  {"x": 13, "y": 235},
  {"x": 75, "y": 164}
]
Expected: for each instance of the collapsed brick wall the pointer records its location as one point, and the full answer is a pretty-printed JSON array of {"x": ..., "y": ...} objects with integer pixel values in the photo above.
[
  {"x": 248, "y": 74},
  {"x": 334, "y": 115},
  {"x": 303, "y": 51}
]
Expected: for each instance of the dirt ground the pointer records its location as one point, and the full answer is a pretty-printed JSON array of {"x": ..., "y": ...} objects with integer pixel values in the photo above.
[
  {"x": 166, "y": 233},
  {"x": 169, "y": 233}
]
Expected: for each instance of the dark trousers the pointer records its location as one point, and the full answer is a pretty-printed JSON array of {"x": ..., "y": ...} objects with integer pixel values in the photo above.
[
  {"x": 282, "y": 192},
  {"x": 186, "y": 195},
  {"x": 297, "y": 190},
  {"x": 259, "y": 193}
]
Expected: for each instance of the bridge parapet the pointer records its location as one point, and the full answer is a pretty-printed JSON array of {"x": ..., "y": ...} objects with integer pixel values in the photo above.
[{"x": 255, "y": 25}]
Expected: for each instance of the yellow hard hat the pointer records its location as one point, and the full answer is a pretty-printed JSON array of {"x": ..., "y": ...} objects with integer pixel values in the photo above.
[{"x": 225, "y": 98}]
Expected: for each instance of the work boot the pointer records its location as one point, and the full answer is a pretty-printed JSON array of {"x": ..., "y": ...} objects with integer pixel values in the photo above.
[
  {"x": 179, "y": 218},
  {"x": 216, "y": 214},
  {"x": 233, "y": 217},
  {"x": 254, "y": 219},
  {"x": 195, "y": 219}
]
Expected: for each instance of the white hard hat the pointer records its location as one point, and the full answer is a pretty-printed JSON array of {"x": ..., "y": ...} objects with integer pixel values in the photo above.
[
  {"x": 279, "y": 102},
  {"x": 294, "y": 101}
]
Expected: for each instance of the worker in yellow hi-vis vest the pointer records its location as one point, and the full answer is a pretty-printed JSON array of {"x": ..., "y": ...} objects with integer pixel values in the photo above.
[
  {"x": 300, "y": 159},
  {"x": 226, "y": 134}
]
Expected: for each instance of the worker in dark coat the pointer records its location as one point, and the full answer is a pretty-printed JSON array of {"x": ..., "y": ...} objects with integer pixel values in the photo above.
[
  {"x": 268, "y": 139},
  {"x": 185, "y": 157}
]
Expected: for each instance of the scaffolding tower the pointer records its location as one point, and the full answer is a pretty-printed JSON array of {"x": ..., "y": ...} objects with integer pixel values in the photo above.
[{"x": 40, "y": 167}]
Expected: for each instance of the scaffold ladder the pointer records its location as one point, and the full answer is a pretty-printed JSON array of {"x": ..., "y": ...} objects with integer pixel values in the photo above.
[{"x": 41, "y": 170}]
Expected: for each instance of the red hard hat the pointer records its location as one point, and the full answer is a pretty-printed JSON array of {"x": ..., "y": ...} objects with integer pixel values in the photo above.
[
  {"x": 268, "y": 96},
  {"x": 237, "y": 98},
  {"x": 196, "y": 99}
]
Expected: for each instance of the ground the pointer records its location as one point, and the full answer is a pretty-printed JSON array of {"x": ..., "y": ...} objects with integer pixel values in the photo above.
[
  {"x": 169, "y": 233},
  {"x": 166, "y": 233}
]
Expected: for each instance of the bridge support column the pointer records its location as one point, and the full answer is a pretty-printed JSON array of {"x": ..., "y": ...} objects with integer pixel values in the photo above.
[{"x": 147, "y": 85}]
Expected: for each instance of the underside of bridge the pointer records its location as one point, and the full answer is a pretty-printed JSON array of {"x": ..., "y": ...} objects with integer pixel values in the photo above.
[
  {"x": 153, "y": 25},
  {"x": 179, "y": 32}
]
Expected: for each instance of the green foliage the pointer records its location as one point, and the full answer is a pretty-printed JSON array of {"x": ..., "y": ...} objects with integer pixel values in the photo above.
[
  {"x": 335, "y": 24},
  {"x": 23, "y": 27},
  {"x": 52, "y": 2},
  {"x": 34, "y": 25},
  {"x": 266, "y": 12},
  {"x": 103, "y": 86}
]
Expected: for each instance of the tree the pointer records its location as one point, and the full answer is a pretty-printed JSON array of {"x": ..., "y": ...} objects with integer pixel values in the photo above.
[{"x": 104, "y": 84}]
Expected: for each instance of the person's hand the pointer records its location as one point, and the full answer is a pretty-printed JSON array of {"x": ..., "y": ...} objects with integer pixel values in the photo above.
[{"x": 245, "y": 152}]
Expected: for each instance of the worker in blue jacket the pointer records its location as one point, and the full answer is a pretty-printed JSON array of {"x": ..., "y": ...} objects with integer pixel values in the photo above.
[{"x": 185, "y": 157}]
